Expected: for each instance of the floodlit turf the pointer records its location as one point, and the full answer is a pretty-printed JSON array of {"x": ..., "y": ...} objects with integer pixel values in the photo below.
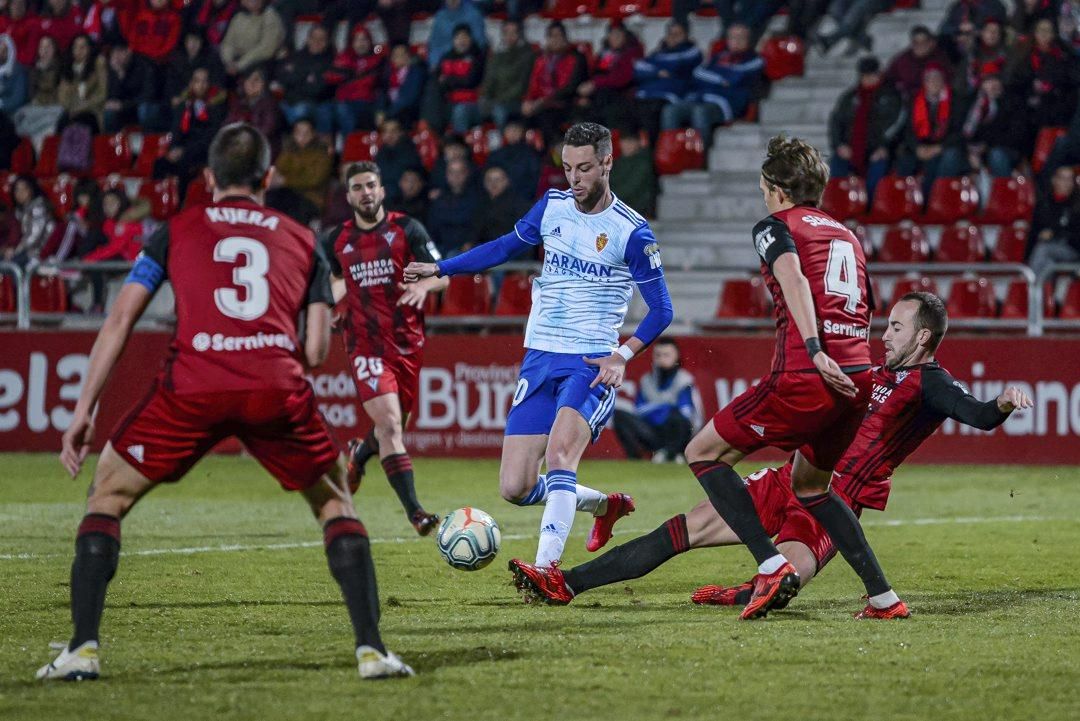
[{"x": 223, "y": 609}]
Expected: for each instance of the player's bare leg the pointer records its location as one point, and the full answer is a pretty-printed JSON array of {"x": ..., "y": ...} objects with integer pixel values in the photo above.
[
  {"x": 385, "y": 413},
  {"x": 116, "y": 487},
  {"x": 348, "y": 553},
  {"x": 711, "y": 459}
]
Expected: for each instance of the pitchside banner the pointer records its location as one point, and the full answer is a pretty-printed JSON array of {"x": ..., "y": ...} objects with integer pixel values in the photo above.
[{"x": 468, "y": 382}]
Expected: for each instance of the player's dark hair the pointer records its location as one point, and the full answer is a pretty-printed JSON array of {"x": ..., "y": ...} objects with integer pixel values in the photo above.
[
  {"x": 581, "y": 134},
  {"x": 796, "y": 167},
  {"x": 931, "y": 315},
  {"x": 239, "y": 157},
  {"x": 364, "y": 166}
]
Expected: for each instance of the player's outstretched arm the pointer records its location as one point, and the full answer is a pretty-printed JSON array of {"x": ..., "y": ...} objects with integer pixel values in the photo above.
[
  {"x": 114, "y": 334},
  {"x": 947, "y": 396},
  {"x": 484, "y": 256},
  {"x": 414, "y": 294}
]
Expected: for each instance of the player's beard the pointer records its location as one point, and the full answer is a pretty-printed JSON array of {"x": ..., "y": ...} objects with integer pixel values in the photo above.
[
  {"x": 902, "y": 355},
  {"x": 368, "y": 219},
  {"x": 595, "y": 194}
]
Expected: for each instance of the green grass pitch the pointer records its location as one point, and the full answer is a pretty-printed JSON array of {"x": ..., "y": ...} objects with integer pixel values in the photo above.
[{"x": 223, "y": 608}]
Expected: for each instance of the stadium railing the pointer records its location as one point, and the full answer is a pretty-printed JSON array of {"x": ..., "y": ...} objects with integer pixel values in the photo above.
[
  {"x": 76, "y": 278},
  {"x": 21, "y": 316}
]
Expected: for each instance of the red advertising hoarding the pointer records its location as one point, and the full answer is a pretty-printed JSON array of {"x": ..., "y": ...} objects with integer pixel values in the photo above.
[{"x": 468, "y": 381}]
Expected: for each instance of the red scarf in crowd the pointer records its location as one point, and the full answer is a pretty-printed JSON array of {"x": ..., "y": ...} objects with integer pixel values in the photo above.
[
  {"x": 925, "y": 129},
  {"x": 197, "y": 108}
]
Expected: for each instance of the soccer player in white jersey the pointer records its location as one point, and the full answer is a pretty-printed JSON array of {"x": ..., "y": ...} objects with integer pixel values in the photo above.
[{"x": 596, "y": 249}]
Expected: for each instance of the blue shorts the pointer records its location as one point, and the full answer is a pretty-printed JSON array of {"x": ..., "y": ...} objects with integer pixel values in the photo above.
[{"x": 551, "y": 381}]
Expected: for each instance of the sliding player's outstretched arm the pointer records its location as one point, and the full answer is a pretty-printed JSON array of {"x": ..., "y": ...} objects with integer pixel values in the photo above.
[{"x": 947, "y": 396}]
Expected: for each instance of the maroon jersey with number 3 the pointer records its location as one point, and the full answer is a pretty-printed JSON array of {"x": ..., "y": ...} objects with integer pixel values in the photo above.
[{"x": 833, "y": 262}]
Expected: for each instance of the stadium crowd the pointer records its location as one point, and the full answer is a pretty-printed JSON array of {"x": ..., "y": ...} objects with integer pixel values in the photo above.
[{"x": 466, "y": 127}]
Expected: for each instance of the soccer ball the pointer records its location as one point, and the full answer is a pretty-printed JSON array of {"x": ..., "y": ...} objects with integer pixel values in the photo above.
[{"x": 468, "y": 539}]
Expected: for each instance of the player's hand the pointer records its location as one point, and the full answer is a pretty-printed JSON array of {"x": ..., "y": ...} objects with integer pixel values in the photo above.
[
  {"x": 415, "y": 271},
  {"x": 612, "y": 368},
  {"x": 76, "y": 444},
  {"x": 1012, "y": 399},
  {"x": 412, "y": 294},
  {"x": 834, "y": 377}
]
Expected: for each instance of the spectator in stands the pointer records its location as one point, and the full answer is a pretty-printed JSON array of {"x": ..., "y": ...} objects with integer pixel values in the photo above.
[
  {"x": 455, "y": 94},
  {"x": 934, "y": 142},
  {"x": 356, "y": 73},
  {"x": 803, "y": 16},
  {"x": 39, "y": 116},
  {"x": 80, "y": 232},
  {"x": 123, "y": 234},
  {"x": 664, "y": 76},
  {"x": 412, "y": 195},
  {"x": 506, "y": 77},
  {"x": 195, "y": 121},
  {"x": 254, "y": 37},
  {"x": 35, "y": 219},
  {"x": 666, "y": 410},
  {"x": 397, "y": 154},
  {"x": 14, "y": 83},
  {"x": 213, "y": 15},
  {"x": 606, "y": 97},
  {"x": 129, "y": 97},
  {"x": 518, "y": 158},
  {"x": 1055, "y": 228},
  {"x": 864, "y": 127},
  {"x": 404, "y": 84},
  {"x": 1069, "y": 25},
  {"x": 253, "y": 103},
  {"x": 84, "y": 83},
  {"x": 305, "y": 163},
  {"x": 62, "y": 21},
  {"x": 906, "y": 69},
  {"x": 978, "y": 56},
  {"x": 722, "y": 88},
  {"x": 555, "y": 77},
  {"x": 24, "y": 27},
  {"x": 502, "y": 207},
  {"x": 454, "y": 148},
  {"x": 446, "y": 22},
  {"x": 994, "y": 129},
  {"x": 302, "y": 81},
  {"x": 450, "y": 218},
  {"x": 633, "y": 177},
  {"x": 1027, "y": 13},
  {"x": 852, "y": 17},
  {"x": 152, "y": 29},
  {"x": 1044, "y": 74},
  {"x": 1066, "y": 150},
  {"x": 552, "y": 175},
  {"x": 193, "y": 53},
  {"x": 102, "y": 22},
  {"x": 968, "y": 17}
]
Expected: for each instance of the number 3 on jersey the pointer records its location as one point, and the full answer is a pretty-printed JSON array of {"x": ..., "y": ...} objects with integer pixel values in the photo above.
[
  {"x": 250, "y": 275},
  {"x": 842, "y": 274}
]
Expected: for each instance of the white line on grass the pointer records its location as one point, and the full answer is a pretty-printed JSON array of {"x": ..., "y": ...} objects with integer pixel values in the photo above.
[{"x": 234, "y": 547}]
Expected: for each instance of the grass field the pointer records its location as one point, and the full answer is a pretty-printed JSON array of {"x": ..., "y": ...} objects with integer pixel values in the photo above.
[{"x": 223, "y": 609}]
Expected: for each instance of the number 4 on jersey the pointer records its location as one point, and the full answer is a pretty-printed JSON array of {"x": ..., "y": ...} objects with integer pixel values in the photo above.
[{"x": 842, "y": 274}]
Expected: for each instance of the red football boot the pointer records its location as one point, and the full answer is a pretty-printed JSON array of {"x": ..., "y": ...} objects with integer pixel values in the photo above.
[
  {"x": 424, "y": 522},
  {"x": 771, "y": 590},
  {"x": 720, "y": 595},
  {"x": 897, "y": 610},
  {"x": 542, "y": 584},
  {"x": 618, "y": 505}
]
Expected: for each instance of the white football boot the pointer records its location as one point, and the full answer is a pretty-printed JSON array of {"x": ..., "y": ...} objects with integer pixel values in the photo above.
[
  {"x": 376, "y": 665},
  {"x": 77, "y": 665}
]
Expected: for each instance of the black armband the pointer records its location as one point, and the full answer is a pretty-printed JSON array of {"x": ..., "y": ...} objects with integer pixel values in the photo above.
[{"x": 813, "y": 346}]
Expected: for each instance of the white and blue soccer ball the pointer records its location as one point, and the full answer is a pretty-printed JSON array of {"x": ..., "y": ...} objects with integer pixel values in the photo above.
[{"x": 468, "y": 539}]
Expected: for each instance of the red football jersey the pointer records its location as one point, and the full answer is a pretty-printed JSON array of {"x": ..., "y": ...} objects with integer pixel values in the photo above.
[
  {"x": 241, "y": 274},
  {"x": 372, "y": 262},
  {"x": 834, "y": 265}
]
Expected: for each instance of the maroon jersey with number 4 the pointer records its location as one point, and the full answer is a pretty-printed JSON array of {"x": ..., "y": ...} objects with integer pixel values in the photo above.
[
  {"x": 241, "y": 273},
  {"x": 833, "y": 262},
  {"x": 372, "y": 262}
]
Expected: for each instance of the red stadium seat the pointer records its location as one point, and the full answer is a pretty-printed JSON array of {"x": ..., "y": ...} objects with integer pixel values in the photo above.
[
  {"x": 46, "y": 162},
  {"x": 567, "y": 9},
  {"x": 961, "y": 243},
  {"x": 163, "y": 196},
  {"x": 1044, "y": 143},
  {"x": 972, "y": 298},
  {"x": 784, "y": 57},
  {"x": 659, "y": 9},
  {"x": 1010, "y": 199},
  {"x": 744, "y": 299},
  {"x": 619, "y": 9},
  {"x": 8, "y": 303},
  {"x": 427, "y": 145},
  {"x": 48, "y": 294},
  {"x": 904, "y": 243},
  {"x": 515, "y": 295},
  {"x": 951, "y": 199},
  {"x": 907, "y": 285},
  {"x": 1015, "y": 305},
  {"x": 896, "y": 198},
  {"x": 154, "y": 146},
  {"x": 360, "y": 145},
  {"x": 678, "y": 150},
  {"x": 60, "y": 191},
  {"x": 197, "y": 193},
  {"x": 1070, "y": 306},
  {"x": 467, "y": 295},
  {"x": 1011, "y": 243},
  {"x": 22, "y": 159},
  {"x": 112, "y": 154},
  {"x": 845, "y": 198},
  {"x": 859, "y": 231}
]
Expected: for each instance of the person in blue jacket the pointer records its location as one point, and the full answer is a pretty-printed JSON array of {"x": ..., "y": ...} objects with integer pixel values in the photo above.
[{"x": 664, "y": 75}]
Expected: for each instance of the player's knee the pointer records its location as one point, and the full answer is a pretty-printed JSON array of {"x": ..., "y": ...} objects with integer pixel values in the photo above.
[{"x": 388, "y": 430}]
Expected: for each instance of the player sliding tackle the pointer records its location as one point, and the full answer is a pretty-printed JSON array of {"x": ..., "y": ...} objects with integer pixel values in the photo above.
[
  {"x": 242, "y": 275},
  {"x": 912, "y": 395},
  {"x": 596, "y": 249}
]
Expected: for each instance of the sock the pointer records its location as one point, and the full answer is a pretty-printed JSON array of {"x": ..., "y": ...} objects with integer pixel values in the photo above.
[
  {"x": 537, "y": 495},
  {"x": 771, "y": 565},
  {"x": 590, "y": 500},
  {"x": 97, "y": 553},
  {"x": 632, "y": 559},
  {"x": 889, "y": 598},
  {"x": 349, "y": 555},
  {"x": 732, "y": 501},
  {"x": 399, "y": 472},
  {"x": 367, "y": 448},
  {"x": 558, "y": 517},
  {"x": 843, "y": 526}
]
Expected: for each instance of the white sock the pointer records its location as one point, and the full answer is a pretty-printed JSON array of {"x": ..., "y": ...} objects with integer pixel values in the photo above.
[
  {"x": 591, "y": 501},
  {"x": 772, "y": 565},
  {"x": 884, "y": 600},
  {"x": 559, "y": 509}
]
